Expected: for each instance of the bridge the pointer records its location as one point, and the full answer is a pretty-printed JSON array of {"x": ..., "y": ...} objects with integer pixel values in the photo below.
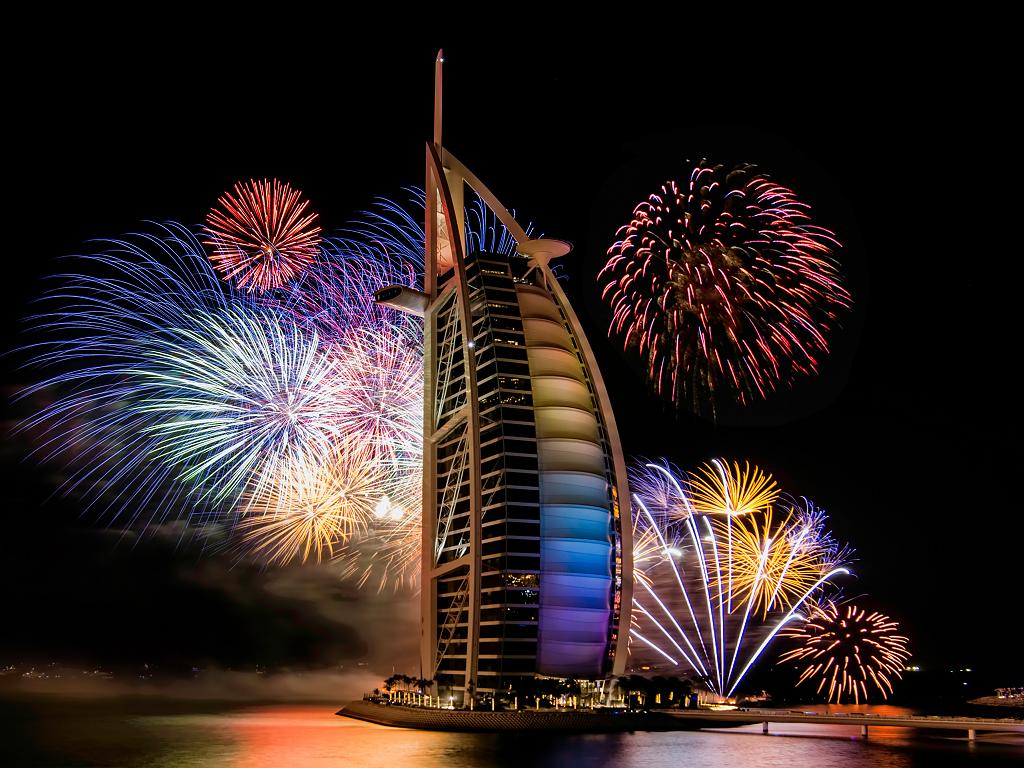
[{"x": 726, "y": 718}]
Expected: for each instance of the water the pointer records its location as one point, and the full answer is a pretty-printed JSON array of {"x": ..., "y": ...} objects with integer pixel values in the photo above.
[{"x": 126, "y": 735}]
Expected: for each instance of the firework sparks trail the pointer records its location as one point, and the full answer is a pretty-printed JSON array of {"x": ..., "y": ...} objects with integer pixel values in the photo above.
[
  {"x": 702, "y": 603},
  {"x": 309, "y": 511},
  {"x": 723, "y": 285},
  {"x": 774, "y": 560},
  {"x": 177, "y": 394},
  {"x": 851, "y": 651},
  {"x": 259, "y": 235},
  {"x": 180, "y": 394},
  {"x": 391, "y": 555},
  {"x": 380, "y": 378}
]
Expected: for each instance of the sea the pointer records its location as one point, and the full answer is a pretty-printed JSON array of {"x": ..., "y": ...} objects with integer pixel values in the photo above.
[{"x": 126, "y": 734}]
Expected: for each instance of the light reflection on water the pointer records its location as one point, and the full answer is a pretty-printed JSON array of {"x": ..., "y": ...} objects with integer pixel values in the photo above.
[{"x": 313, "y": 737}]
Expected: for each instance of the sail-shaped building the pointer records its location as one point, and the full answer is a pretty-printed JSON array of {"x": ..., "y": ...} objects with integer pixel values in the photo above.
[{"x": 526, "y": 524}]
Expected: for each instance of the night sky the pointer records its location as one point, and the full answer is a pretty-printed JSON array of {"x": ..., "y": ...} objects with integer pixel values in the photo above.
[{"x": 907, "y": 438}]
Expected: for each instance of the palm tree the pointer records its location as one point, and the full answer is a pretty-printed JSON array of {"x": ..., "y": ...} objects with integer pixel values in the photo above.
[
  {"x": 523, "y": 688},
  {"x": 680, "y": 690},
  {"x": 625, "y": 684},
  {"x": 637, "y": 687}
]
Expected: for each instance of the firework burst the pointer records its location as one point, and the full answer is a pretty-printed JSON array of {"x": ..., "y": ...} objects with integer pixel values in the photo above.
[
  {"x": 310, "y": 511},
  {"x": 723, "y": 285},
  {"x": 261, "y": 236},
  {"x": 850, "y": 652},
  {"x": 178, "y": 395},
  {"x": 390, "y": 556},
  {"x": 774, "y": 562},
  {"x": 380, "y": 377},
  {"x": 711, "y": 590},
  {"x": 335, "y": 295},
  {"x": 718, "y": 487}
]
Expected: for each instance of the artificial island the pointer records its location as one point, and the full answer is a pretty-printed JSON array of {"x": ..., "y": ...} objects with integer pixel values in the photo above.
[{"x": 526, "y": 554}]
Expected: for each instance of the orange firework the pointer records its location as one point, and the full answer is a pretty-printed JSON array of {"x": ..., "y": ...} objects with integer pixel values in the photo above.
[
  {"x": 310, "y": 511},
  {"x": 849, "y": 651},
  {"x": 390, "y": 555},
  {"x": 260, "y": 236}
]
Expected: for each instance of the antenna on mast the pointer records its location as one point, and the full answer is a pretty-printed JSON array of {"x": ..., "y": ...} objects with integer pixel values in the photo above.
[{"x": 438, "y": 67}]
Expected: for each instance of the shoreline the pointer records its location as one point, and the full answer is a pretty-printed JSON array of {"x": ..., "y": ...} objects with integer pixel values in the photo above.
[
  {"x": 606, "y": 721},
  {"x": 569, "y": 721}
]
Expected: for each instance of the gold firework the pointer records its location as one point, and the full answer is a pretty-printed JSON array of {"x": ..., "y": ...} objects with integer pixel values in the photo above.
[
  {"x": 390, "y": 553},
  {"x": 773, "y": 563},
  {"x": 713, "y": 589},
  {"x": 312, "y": 510},
  {"x": 717, "y": 487}
]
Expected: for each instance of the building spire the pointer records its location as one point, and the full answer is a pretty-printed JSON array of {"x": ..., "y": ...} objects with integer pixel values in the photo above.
[{"x": 438, "y": 67}]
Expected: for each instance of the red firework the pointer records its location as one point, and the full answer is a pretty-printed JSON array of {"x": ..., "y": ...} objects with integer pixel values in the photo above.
[
  {"x": 259, "y": 235},
  {"x": 723, "y": 284}
]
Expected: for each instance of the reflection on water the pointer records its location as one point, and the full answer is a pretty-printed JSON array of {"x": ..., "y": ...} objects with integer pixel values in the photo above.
[{"x": 130, "y": 735}]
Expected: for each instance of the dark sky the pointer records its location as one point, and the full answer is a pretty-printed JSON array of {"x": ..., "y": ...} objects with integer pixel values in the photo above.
[{"x": 908, "y": 437}]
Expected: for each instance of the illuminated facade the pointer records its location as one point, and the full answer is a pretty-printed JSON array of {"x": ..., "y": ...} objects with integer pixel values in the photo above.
[{"x": 526, "y": 547}]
